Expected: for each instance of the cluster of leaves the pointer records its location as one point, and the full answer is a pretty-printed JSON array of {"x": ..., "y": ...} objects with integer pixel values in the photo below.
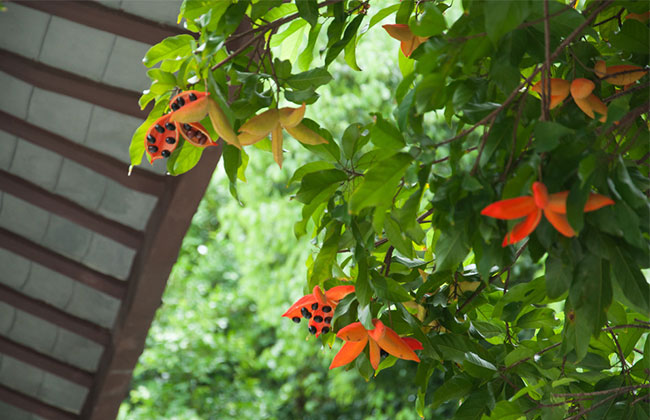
[{"x": 394, "y": 205}]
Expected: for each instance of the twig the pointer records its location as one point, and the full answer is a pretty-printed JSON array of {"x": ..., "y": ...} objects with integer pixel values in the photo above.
[
  {"x": 514, "y": 93},
  {"x": 263, "y": 30},
  {"x": 387, "y": 260},
  {"x": 616, "y": 16},
  {"x": 492, "y": 278},
  {"x": 626, "y": 92},
  {"x": 520, "y": 108},
  {"x": 546, "y": 72},
  {"x": 539, "y": 353},
  {"x": 604, "y": 392},
  {"x": 484, "y": 138},
  {"x": 621, "y": 356}
]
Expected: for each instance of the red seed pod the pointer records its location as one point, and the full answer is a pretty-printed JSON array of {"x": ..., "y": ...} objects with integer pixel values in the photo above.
[
  {"x": 196, "y": 134},
  {"x": 162, "y": 138},
  {"x": 186, "y": 97}
]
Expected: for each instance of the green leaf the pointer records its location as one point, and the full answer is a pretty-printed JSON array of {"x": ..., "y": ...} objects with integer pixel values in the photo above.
[
  {"x": 231, "y": 163},
  {"x": 548, "y": 135},
  {"x": 503, "y": 16},
  {"x": 350, "y": 33},
  {"x": 310, "y": 79},
  {"x": 506, "y": 410},
  {"x": 322, "y": 268},
  {"x": 350, "y": 55},
  {"x": 307, "y": 55},
  {"x": 452, "y": 389},
  {"x": 591, "y": 292},
  {"x": 451, "y": 249},
  {"x": 385, "y": 135},
  {"x": 365, "y": 316},
  {"x": 184, "y": 158},
  {"x": 633, "y": 37},
  {"x": 314, "y": 182},
  {"x": 397, "y": 238},
  {"x": 362, "y": 284},
  {"x": 309, "y": 168},
  {"x": 379, "y": 182},
  {"x": 169, "y": 49},
  {"x": 430, "y": 23},
  {"x": 308, "y": 10},
  {"x": 629, "y": 279},
  {"x": 558, "y": 276},
  {"x": 349, "y": 140},
  {"x": 388, "y": 289}
]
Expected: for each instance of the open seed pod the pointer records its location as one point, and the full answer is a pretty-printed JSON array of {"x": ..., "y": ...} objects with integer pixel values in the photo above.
[
  {"x": 559, "y": 91},
  {"x": 192, "y": 100},
  {"x": 162, "y": 138},
  {"x": 619, "y": 75},
  {"x": 196, "y": 134},
  {"x": 581, "y": 88},
  {"x": 593, "y": 103}
]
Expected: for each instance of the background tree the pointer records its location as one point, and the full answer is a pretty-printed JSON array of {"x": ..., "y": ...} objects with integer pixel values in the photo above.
[{"x": 494, "y": 99}]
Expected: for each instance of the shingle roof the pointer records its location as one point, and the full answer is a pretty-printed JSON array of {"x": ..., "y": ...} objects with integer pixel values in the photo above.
[{"x": 85, "y": 250}]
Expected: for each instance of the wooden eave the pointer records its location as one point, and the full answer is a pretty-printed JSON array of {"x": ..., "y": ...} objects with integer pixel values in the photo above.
[{"x": 156, "y": 247}]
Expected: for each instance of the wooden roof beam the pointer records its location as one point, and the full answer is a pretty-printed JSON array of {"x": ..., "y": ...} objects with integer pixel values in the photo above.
[
  {"x": 44, "y": 362},
  {"x": 139, "y": 180},
  {"x": 96, "y": 15},
  {"x": 55, "y": 315},
  {"x": 63, "y": 207},
  {"x": 69, "y": 84},
  {"x": 33, "y": 405},
  {"x": 57, "y": 262}
]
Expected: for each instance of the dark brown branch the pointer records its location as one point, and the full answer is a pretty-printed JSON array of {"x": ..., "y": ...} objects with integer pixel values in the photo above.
[{"x": 627, "y": 92}]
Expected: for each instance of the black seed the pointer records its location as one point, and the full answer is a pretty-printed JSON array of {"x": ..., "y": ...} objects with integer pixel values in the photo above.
[
  {"x": 187, "y": 127},
  {"x": 152, "y": 149},
  {"x": 296, "y": 319},
  {"x": 328, "y": 319},
  {"x": 180, "y": 101},
  {"x": 174, "y": 106},
  {"x": 305, "y": 313},
  {"x": 312, "y": 329},
  {"x": 325, "y": 330},
  {"x": 170, "y": 126},
  {"x": 327, "y": 309},
  {"x": 192, "y": 97},
  {"x": 150, "y": 138},
  {"x": 170, "y": 140},
  {"x": 383, "y": 353},
  {"x": 318, "y": 318},
  {"x": 159, "y": 128},
  {"x": 314, "y": 306},
  {"x": 165, "y": 153}
]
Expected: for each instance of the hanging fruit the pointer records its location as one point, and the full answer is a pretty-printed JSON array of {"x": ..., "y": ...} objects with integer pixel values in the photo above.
[
  {"x": 196, "y": 134},
  {"x": 193, "y": 106},
  {"x": 162, "y": 138}
]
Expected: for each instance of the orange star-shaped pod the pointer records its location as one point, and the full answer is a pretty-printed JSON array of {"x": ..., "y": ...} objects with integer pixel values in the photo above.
[
  {"x": 318, "y": 308},
  {"x": 356, "y": 337},
  {"x": 402, "y": 33},
  {"x": 273, "y": 121},
  {"x": 552, "y": 205},
  {"x": 559, "y": 91},
  {"x": 588, "y": 102},
  {"x": 192, "y": 106},
  {"x": 620, "y": 75}
]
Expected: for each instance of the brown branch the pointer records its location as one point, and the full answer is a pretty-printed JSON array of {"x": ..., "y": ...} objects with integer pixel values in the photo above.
[
  {"x": 387, "y": 259},
  {"x": 604, "y": 392},
  {"x": 621, "y": 356},
  {"x": 263, "y": 30},
  {"x": 626, "y": 92},
  {"x": 546, "y": 70},
  {"x": 484, "y": 138},
  {"x": 573, "y": 35},
  {"x": 542, "y": 351}
]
